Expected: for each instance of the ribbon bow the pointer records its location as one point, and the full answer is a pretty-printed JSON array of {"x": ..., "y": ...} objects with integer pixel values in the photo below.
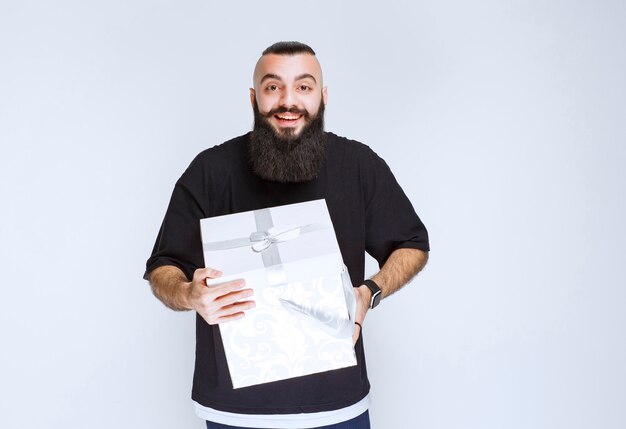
[{"x": 262, "y": 240}]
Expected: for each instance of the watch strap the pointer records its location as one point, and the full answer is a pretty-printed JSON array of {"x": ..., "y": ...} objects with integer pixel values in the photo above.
[{"x": 376, "y": 292}]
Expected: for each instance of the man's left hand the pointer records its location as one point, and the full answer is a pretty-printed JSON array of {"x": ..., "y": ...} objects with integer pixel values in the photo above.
[{"x": 363, "y": 296}]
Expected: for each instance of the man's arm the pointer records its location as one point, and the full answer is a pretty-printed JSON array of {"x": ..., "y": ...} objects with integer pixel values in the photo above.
[
  {"x": 401, "y": 266},
  {"x": 216, "y": 304}
]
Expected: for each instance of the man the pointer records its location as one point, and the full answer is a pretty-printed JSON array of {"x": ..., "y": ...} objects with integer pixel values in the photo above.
[{"x": 287, "y": 158}]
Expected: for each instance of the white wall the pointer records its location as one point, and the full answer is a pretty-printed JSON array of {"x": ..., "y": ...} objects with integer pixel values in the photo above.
[{"x": 503, "y": 120}]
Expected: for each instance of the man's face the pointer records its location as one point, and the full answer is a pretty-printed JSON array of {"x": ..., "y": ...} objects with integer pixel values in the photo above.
[{"x": 288, "y": 91}]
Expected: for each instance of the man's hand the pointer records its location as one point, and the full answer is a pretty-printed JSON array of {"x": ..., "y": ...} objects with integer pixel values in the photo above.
[
  {"x": 220, "y": 303},
  {"x": 401, "y": 266},
  {"x": 216, "y": 304},
  {"x": 363, "y": 296}
]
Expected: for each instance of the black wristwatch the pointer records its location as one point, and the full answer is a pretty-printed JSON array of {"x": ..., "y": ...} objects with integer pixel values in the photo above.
[{"x": 377, "y": 294}]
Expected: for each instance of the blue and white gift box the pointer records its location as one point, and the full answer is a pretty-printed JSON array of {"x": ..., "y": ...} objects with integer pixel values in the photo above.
[{"x": 304, "y": 315}]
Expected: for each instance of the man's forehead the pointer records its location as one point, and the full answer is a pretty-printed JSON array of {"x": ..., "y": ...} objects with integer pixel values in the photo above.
[{"x": 288, "y": 67}]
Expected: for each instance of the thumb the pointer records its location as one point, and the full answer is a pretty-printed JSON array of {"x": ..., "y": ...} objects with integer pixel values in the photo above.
[{"x": 202, "y": 274}]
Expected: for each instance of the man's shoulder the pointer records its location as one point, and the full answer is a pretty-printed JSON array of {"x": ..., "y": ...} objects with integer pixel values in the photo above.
[
  {"x": 230, "y": 150},
  {"x": 216, "y": 161},
  {"x": 351, "y": 149}
]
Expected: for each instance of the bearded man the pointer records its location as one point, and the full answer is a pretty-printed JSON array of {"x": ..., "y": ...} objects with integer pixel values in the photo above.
[{"x": 287, "y": 158}]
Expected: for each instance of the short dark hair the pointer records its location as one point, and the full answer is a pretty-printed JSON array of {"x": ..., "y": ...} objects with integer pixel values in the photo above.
[{"x": 289, "y": 48}]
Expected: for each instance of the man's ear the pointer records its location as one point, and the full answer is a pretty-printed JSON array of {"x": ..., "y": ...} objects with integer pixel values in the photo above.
[
  {"x": 325, "y": 95},
  {"x": 252, "y": 96}
]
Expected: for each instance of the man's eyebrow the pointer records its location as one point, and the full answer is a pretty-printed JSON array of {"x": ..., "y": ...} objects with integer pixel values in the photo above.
[
  {"x": 306, "y": 76},
  {"x": 270, "y": 76},
  {"x": 300, "y": 77}
]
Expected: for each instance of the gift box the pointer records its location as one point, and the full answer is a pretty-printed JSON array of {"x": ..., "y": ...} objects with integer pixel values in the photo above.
[{"x": 304, "y": 315}]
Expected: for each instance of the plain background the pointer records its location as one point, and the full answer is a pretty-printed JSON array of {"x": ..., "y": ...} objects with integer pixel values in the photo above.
[{"x": 503, "y": 121}]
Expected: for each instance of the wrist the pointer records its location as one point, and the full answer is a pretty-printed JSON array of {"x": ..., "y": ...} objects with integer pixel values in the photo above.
[
  {"x": 185, "y": 291},
  {"x": 366, "y": 294}
]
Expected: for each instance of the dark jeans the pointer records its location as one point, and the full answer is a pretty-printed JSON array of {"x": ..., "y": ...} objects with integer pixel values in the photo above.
[{"x": 360, "y": 422}]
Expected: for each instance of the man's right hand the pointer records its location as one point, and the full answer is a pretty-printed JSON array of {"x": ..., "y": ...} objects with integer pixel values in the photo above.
[
  {"x": 220, "y": 303},
  {"x": 216, "y": 304}
]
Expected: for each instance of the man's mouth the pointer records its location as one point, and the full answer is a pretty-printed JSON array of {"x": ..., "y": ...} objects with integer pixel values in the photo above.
[{"x": 287, "y": 118}]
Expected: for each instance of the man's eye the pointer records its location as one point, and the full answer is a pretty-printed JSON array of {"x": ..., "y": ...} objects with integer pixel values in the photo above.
[
  {"x": 272, "y": 87},
  {"x": 304, "y": 87}
]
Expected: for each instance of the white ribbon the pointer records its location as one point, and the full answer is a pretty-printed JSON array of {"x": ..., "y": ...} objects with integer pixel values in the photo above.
[{"x": 261, "y": 240}]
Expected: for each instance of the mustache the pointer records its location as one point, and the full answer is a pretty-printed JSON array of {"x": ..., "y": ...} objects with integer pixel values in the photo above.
[{"x": 284, "y": 109}]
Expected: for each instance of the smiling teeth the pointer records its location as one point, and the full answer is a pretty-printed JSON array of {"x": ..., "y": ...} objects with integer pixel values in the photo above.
[{"x": 289, "y": 118}]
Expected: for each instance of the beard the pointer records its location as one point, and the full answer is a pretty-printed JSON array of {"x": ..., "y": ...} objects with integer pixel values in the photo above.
[{"x": 283, "y": 156}]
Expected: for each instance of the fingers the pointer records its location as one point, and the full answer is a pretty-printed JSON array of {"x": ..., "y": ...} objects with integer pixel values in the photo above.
[
  {"x": 229, "y": 294},
  {"x": 230, "y": 312},
  {"x": 219, "y": 303},
  {"x": 229, "y": 318},
  {"x": 227, "y": 287}
]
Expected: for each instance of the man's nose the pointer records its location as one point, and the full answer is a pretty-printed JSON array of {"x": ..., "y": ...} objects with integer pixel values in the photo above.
[{"x": 288, "y": 97}]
